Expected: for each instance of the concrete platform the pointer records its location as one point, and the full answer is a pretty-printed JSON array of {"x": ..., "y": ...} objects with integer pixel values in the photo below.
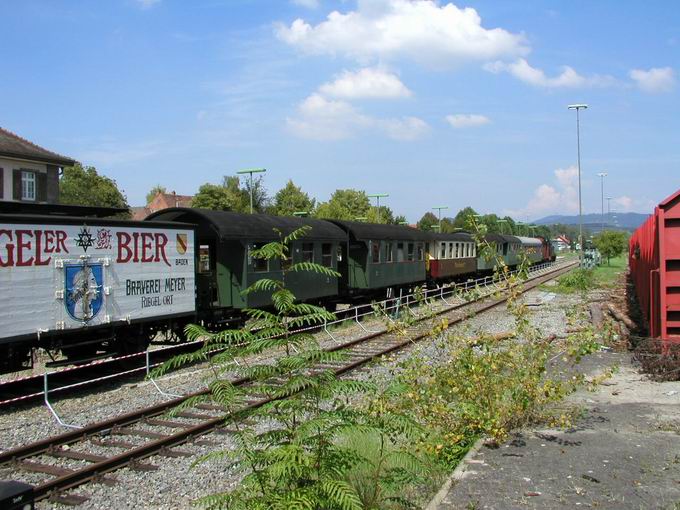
[{"x": 623, "y": 453}]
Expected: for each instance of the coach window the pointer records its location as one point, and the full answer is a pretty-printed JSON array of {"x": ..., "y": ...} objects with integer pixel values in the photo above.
[
  {"x": 307, "y": 252},
  {"x": 400, "y": 252},
  {"x": 388, "y": 252},
  {"x": 420, "y": 251},
  {"x": 375, "y": 252},
  {"x": 327, "y": 254},
  {"x": 442, "y": 251},
  {"x": 204, "y": 258},
  {"x": 409, "y": 252},
  {"x": 260, "y": 265},
  {"x": 287, "y": 260}
]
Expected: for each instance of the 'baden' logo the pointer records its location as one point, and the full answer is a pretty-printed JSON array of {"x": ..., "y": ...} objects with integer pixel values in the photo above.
[
  {"x": 83, "y": 286},
  {"x": 182, "y": 243}
]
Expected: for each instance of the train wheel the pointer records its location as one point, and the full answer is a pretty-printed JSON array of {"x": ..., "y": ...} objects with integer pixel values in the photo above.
[{"x": 13, "y": 357}]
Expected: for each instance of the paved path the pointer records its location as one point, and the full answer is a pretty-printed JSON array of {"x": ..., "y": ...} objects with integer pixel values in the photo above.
[{"x": 623, "y": 453}]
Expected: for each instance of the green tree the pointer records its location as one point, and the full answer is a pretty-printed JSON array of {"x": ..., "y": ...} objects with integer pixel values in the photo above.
[
  {"x": 153, "y": 192},
  {"x": 425, "y": 223},
  {"x": 344, "y": 204},
  {"x": 386, "y": 215},
  {"x": 231, "y": 196},
  {"x": 611, "y": 243},
  {"x": 81, "y": 185},
  {"x": 290, "y": 199},
  {"x": 401, "y": 219},
  {"x": 461, "y": 219}
]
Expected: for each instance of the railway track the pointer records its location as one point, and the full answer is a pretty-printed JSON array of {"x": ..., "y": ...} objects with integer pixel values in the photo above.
[
  {"x": 68, "y": 381},
  {"x": 24, "y": 390},
  {"x": 130, "y": 442}
]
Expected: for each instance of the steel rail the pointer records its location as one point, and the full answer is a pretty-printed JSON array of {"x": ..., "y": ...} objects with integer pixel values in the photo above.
[{"x": 98, "y": 468}]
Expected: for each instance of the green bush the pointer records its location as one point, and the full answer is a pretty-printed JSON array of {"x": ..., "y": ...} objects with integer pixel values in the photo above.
[{"x": 579, "y": 280}]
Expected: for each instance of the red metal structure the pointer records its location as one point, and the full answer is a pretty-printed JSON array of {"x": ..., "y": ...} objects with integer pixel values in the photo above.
[{"x": 654, "y": 259}]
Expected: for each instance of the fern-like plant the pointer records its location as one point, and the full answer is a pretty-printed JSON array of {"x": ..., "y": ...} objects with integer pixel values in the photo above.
[{"x": 292, "y": 452}]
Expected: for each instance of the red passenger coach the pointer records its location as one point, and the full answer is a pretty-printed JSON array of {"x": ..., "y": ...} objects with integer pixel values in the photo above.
[{"x": 654, "y": 259}]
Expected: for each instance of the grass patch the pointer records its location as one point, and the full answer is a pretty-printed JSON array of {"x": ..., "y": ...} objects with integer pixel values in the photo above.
[
  {"x": 606, "y": 275},
  {"x": 583, "y": 280}
]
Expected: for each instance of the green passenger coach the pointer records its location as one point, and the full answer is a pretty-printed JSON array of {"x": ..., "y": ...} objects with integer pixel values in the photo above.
[
  {"x": 225, "y": 267},
  {"x": 380, "y": 257}
]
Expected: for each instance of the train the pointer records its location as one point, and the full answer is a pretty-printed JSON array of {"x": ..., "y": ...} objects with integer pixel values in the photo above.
[
  {"x": 85, "y": 283},
  {"x": 654, "y": 262}
]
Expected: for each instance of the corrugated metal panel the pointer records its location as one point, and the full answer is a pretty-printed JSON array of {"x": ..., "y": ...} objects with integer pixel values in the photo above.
[{"x": 654, "y": 259}]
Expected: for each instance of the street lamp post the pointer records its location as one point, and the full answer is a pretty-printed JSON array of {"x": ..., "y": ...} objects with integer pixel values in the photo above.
[
  {"x": 251, "y": 171},
  {"x": 378, "y": 196},
  {"x": 602, "y": 175},
  {"x": 579, "y": 107},
  {"x": 609, "y": 209},
  {"x": 439, "y": 209}
]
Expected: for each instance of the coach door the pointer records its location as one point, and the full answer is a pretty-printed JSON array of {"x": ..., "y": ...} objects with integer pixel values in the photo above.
[{"x": 206, "y": 275}]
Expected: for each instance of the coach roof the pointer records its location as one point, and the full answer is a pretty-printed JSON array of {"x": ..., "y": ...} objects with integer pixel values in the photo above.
[
  {"x": 454, "y": 236},
  {"x": 368, "y": 231},
  {"x": 258, "y": 227}
]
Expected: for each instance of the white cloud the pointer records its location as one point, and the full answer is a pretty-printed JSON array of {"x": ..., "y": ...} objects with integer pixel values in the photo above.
[
  {"x": 406, "y": 128},
  {"x": 657, "y": 79},
  {"x": 420, "y": 30},
  {"x": 319, "y": 118},
  {"x": 623, "y": 204},
  {"x": 147, "y": 4},
  {"x": 310, "y": 4},
  {"x": 562, "y": 198},
  {"x": 568, "y": 78},
  {"x": 464, "y": 120},
  {"x": 365, "y": 83}
]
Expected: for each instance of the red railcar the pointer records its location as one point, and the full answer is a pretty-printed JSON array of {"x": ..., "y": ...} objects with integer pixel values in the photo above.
[{"x": 654, "y": 259}]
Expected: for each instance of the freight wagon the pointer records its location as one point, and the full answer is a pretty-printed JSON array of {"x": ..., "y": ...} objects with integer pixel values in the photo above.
[
  {"x": 75, "y": 283},
  {"x": 654, "y": 260}
]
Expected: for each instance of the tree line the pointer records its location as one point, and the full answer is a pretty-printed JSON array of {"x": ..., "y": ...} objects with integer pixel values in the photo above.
[{"x": 83, "y": 185}]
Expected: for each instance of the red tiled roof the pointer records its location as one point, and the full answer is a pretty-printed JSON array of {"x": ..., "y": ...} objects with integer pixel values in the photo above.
[{"x": 12, "y": 145}]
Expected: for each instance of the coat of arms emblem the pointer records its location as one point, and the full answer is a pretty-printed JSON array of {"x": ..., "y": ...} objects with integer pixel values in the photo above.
[
  {"x": 182, "y": 243},
  {"x": 83, "y": 290}
]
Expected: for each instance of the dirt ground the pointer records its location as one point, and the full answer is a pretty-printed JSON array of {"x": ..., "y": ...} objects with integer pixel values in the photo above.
[{"x": 624, "y": 452}]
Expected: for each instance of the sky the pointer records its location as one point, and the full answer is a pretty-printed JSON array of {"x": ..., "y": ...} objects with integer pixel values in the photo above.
[{"x": 435, "y": 103}]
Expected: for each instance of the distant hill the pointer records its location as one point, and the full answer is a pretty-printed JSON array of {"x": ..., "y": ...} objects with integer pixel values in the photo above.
[{"x": 627, "y": 221}]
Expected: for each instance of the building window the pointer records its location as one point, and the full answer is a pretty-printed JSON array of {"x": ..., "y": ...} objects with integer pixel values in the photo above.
[
  {"x": 388, "y": 252},
  {"x": 259, "y": 265},
  {"x": 307, "y": 252},
  {"x": 327, "y": 254},
  {"x": 409, "y": 252},
  {"x": 375, "y": 252},
  {"x": 27, "y": 185}
]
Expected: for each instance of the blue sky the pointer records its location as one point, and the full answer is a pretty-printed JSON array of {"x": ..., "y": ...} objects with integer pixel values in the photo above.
[{"x": 435, "y": 103}]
